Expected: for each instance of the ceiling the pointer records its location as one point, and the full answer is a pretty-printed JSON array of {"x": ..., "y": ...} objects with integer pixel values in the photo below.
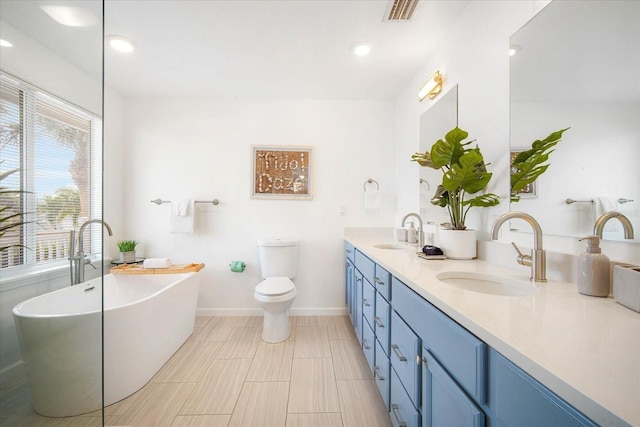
[{"x": 248, "y": 48}]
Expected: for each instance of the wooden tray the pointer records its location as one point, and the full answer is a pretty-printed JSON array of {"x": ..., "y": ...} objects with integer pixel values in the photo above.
[{"x": 139, "y": 269}]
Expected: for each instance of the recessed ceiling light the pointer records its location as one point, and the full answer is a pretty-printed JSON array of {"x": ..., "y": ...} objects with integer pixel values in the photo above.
[
  {"x": 514, "y": 49},
  {"x": 71, "y": 16},
  {"x": 121, "y": 44},
  {"x": 362, "y": 48},
  {"x": 5, "y": 43}
]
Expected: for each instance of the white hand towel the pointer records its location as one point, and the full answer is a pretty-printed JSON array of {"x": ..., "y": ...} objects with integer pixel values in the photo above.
[
  {"x": 182, "y": 216},
  {"x": 602, "y": 205},
  {"x": 156, "y": 263},
  {"x": 372, "y": 199}
]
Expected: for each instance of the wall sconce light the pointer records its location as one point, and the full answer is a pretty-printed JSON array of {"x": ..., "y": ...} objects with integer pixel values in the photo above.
[{"x": 432, "y": 87}]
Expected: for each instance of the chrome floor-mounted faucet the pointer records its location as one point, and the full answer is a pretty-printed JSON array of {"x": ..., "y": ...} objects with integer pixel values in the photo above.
[
  {"x": 78, "y": 261},
  {"x": 538, "y": 259}
]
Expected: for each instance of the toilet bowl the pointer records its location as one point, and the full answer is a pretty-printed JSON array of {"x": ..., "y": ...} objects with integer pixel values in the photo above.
[{"x": 275, "y": 296}]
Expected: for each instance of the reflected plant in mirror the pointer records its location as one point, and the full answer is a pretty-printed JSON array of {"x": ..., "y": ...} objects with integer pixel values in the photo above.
[
  {"x": 529, "y": 164},
  {"x": 464, "y": 173}
]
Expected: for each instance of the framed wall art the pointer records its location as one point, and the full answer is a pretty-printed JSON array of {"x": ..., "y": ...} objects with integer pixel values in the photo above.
[{"x": 282, "y": 172}]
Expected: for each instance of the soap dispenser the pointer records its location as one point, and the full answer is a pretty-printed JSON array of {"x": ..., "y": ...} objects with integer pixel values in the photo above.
[
  {"x": 412, "y": 236},
  {"x": 593, "y": 269}
]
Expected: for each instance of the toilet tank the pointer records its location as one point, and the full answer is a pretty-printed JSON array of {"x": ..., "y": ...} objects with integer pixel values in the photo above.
[{"x": 278, "y": 258}]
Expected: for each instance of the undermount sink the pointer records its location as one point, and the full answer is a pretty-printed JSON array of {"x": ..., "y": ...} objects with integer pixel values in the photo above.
[
  {"x": 486, "y": 283},
  {"x": 389, "y": 246}
]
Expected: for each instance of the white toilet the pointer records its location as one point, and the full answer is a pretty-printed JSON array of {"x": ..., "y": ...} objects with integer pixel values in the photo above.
[{"x": 275, "y": 294}]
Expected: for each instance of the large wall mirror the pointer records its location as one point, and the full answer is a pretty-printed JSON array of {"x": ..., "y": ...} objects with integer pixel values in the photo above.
[
  {"x": 439, "y": 119},
  {"x": 577, "y": 65}
]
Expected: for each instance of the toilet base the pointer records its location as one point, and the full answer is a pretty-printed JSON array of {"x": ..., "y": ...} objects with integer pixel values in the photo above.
[{"x": 276, "y": 327}]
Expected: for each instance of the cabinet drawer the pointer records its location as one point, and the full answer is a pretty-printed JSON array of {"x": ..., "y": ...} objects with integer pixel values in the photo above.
[
  {"x": 349, "y": 251},
  {"x": 382, "y": 282},
  {"x": 401, "y": 410},
  {"x": 366, "y": 266},
  {"x": 444, "y": 402},
  {"x": 368, "y": 344},
  {"x": 404, "y": 355},
  {"x": 368, "y": 302},
  {"x": 517, "y": 399},
  {"x": 459, "y": 351},
  {"x": 382, "y": 322},
  {"x": 381, "y": 374}
]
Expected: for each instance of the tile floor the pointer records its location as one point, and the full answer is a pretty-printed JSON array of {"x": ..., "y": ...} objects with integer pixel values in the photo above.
[{"x": 224, "y": 375}]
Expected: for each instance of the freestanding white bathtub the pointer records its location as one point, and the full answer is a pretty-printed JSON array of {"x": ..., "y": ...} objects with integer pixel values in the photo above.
[{"x": 146, "y": 319}]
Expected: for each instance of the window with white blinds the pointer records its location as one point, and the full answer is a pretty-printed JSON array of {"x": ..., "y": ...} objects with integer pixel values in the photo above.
[{"x": 50, "y": 161}]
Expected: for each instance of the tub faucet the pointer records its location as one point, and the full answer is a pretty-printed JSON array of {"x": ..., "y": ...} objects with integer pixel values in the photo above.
[
  {"x": 538, "y": 259},
  {"x": 420, "y": 234},
  {"x": 602, "y": 220},
  {"x": 78, "y": 261}
]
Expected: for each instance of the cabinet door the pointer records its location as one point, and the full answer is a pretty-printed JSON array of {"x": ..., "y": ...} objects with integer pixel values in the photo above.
[
  {"x": 368, "y": 302},
  {"x": 401, "y": 409},
  {"x": 404, "y": 355},
  {"x": 518, "y": 400},
  {"x": 444, "y": 402},
  {"x": 357, "y": 318},
  {"x": 368, "y": 344},
  {"x": 349, "y": 287}
]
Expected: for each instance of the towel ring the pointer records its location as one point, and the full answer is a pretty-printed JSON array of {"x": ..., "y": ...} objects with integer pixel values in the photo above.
[
  {"x": 371, "y": 181},
  {"x": 424, "y": 181}
]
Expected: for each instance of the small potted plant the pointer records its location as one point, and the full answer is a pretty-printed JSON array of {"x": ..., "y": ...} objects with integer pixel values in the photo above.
[
  {"x": 464, "y": 173},
  {"x": 127, "y": 251}
]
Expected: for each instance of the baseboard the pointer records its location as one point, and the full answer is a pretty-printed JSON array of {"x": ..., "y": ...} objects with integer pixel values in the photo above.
[{"x": 300, "y": 311}]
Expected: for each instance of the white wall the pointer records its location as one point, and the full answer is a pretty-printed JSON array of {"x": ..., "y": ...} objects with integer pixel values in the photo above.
[{"x": 201, "y": 148}]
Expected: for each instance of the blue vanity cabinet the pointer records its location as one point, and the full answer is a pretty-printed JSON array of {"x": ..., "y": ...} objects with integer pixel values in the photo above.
[
  {"x": 349, "y": 279},
  {"x": 444, "y": 402},
  {"x": 357, "y": 318},
  {"x": 517, "y": 399}
]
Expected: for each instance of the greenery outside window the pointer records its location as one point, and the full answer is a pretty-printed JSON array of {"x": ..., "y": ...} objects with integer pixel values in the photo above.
[{"x": 56, "y": 148}]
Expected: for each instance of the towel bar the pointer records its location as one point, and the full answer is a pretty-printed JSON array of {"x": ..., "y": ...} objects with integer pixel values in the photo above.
[{"x": 214, "y": 202}]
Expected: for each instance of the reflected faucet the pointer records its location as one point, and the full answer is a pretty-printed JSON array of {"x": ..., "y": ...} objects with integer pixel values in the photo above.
[
  {"x": 602, "y": 220},
  {"x": 420, "y": 233},
  {"x": 538, "y": 259},
  {"x": 78, "y": 261}
]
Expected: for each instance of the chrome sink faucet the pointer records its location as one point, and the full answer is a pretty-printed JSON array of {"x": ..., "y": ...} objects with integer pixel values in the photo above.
[
  {"x": 602, "y": 220},
  {"x": 538, "y": 258},
  {"x": 420, "y": 233},
  {"x": 78, "y": 261}
]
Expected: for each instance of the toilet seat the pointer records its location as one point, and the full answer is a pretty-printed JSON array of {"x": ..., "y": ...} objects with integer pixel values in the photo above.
[{"x": 275, "y": 286}]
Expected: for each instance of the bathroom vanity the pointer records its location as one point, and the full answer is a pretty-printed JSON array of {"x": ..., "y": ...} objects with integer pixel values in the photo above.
[{"x": 446, "y": 355}]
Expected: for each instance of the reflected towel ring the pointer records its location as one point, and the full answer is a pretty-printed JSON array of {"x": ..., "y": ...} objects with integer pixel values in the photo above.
[
  {"x": 371, "y": 181},
  {"x": 424, "y": 181}
]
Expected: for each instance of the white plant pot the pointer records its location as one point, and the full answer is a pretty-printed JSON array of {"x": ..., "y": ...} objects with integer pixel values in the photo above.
[{"x": 457, "y": 244}]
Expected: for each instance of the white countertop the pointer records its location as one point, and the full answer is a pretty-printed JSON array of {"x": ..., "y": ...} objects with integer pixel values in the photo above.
[{"x": 585, "y": 349}]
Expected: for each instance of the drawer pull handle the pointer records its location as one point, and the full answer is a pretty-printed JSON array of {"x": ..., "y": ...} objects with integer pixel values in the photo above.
[
  {"x": 376, "y": 373},
  {"x": 399, "y": 355},
  {"x": 348, "y": 251},
  {"x": 358, "y": 279},
  {"x": 379, "y": 282},
  {"x": 379, "y": 324},
  {"x": 365, "y": 344},
  {"x": 365, "y": 302},
  {"x": 396, "y": 413}
]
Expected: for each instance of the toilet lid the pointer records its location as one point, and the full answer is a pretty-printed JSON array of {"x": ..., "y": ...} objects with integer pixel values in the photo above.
[{"x": 274, "y": 286}]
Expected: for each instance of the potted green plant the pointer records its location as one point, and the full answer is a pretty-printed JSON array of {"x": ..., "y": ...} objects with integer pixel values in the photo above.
[
  {"x": 127, "y": 251},
  {"x": 11, "y": 216},
  {"x": 464, "y": 174}
]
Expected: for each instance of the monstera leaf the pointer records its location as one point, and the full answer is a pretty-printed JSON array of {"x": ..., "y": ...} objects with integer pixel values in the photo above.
[
  {"x": 9, "y": 218},
  {"x": 528, "y": 165},
  {"x": 464, "y": 173}
]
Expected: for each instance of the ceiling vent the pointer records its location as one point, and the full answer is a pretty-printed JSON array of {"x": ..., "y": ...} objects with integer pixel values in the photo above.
[{"x": 401, "y": 10}]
